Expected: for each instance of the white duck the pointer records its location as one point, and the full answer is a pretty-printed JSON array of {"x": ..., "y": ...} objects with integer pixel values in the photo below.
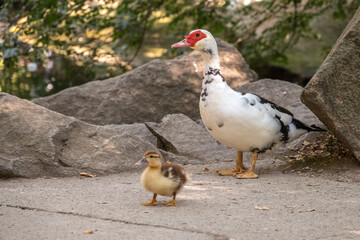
[{"x": 242, "y": 121}]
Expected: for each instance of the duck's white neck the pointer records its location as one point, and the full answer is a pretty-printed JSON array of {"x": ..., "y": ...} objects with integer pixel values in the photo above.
[
  {"x": 212, "y": 71},
  {"x": 211, "y": 58}
]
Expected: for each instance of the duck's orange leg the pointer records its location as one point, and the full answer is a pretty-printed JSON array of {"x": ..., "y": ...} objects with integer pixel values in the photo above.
[
  {"x": 173, "y": 202},
  {"x": 152, "y": 202},
  {"x": 238, "y": 168},
  {"x": 250, "y": 173}
]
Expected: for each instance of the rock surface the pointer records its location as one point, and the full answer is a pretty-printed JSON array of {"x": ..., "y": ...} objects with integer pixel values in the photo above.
[
  {"x": 149, "y": 92},
  {"x": 182, "y": 136},
  {"x": 333, "y": 93},
  {"x": 37, "y": 142}
]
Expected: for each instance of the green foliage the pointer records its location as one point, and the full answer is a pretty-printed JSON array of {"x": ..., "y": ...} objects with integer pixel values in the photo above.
[
  {"x": 282, "y": 24},
  {"x": 79, "y": 34}
]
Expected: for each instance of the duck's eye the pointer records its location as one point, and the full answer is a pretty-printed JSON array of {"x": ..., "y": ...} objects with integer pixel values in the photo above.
[
  {"x": 197, "y": 34},
  {"x": 151, "y": 156}
]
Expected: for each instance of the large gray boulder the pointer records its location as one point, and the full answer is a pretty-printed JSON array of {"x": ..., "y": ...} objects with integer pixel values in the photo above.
[
  {"x": 333, "y": 93},
  {"x": 148, "y": 92},
  {"x": 37, "y": 142}
]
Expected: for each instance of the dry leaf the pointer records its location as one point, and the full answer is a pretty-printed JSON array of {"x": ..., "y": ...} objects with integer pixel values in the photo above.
[
  {"x": 293, "y": 148},
  {"x": 88, "y": 232},
  {"x": 261, "y": 208},
  {"x": 86, "y": 174},
  {"x": 305, "y": 143},
  {"x": 206, "y": 169},
  {"x": 310, "y": 210}
]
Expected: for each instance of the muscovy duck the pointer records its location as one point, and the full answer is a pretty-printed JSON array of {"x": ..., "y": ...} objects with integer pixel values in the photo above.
[{"x": 243, "y": 121}]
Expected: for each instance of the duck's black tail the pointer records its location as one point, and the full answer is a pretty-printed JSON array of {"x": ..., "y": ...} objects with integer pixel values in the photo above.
[{"x": 299, "y": 125}]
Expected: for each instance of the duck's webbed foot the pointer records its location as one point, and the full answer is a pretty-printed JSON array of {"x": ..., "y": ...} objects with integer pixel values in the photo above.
[
  {"x": 173, "y": 202},
  {"x": 249, "y": 174},
  {"x": 229, "y": 172},
  {"x": 152, "y": 202},
  {"x": 246, "y": 175},
  {"x": 238, "y": 169}
]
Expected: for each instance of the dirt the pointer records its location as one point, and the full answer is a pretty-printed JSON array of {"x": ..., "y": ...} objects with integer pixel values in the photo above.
[{"x": 327, "y": 158}]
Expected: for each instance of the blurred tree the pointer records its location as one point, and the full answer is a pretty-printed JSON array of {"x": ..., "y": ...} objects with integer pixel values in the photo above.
[{"x": 97, "y": 39}]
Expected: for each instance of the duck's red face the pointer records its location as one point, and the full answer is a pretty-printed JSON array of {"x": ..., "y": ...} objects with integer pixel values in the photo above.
[{"x": 191, "y": 39}]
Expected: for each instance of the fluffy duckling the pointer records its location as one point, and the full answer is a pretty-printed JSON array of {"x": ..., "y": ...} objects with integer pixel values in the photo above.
[{"x": 164, "y": 179}]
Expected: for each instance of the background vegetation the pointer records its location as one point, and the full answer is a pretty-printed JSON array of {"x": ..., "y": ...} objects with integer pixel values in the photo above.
[{"x": 49, "y": 45}]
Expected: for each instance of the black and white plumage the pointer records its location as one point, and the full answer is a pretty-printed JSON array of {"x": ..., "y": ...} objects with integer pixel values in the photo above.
[
  {"x": 242, "y": 121},
  {"x": 166, "y": 179}
]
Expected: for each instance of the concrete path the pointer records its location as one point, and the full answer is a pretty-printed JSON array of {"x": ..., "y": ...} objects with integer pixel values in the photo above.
[{"x": 275, "y": 206}]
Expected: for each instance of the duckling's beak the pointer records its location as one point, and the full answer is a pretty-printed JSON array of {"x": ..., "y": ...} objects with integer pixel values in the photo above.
[{"x": 143, "y": 161}]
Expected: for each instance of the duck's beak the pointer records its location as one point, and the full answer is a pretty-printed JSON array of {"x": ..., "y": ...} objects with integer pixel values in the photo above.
[
  {"x": 183, "y": 43},
  {"x": 142, "y": 161}
]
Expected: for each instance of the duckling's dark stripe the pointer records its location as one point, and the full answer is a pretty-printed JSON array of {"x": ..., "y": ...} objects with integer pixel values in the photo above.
[
  {"x": 166, "y": 173},
  {"x": 152, "y": 152},
  {"x": 176, "y": 172}
]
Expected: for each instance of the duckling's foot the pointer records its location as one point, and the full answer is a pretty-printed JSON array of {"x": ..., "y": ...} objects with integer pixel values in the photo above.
[
  {"x": 152, "y": 202},
  {"x": 172, "y": 203},
  {"x": 247, "y": 175}
]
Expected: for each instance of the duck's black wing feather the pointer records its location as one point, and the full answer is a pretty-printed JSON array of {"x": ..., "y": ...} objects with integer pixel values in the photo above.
[{"x": 274, "y": 105}]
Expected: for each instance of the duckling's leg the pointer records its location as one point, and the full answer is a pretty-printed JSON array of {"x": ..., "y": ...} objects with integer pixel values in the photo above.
[
  {"x": 152, "y": 202},
  {"x": 238, "y": 169},
  {"x": 173, "y": 202},
  {"x": 250, "y": 173}
]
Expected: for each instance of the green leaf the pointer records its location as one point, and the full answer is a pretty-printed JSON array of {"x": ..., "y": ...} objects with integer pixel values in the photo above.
[{"x": 9, "y": 53}]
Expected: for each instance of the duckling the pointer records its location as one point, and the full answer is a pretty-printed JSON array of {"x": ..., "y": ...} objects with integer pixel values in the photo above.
[{"x": 164, "y": 179}]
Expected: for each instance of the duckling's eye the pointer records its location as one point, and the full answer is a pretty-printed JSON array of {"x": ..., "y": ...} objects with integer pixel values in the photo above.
[
  {"x": 197, "y": 34},
  {"x": 151, "y": 156}
]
